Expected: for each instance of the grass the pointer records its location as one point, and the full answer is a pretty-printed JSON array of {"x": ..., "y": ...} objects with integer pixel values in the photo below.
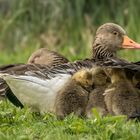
[{"x": 21, "y": 124}]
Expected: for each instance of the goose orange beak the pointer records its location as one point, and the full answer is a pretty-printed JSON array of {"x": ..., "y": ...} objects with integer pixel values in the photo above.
[{"x": 129, "y": 43}]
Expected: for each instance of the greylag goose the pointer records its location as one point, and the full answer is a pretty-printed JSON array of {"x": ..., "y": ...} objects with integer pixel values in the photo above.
[
  {"x": 73, "y": 96},
  {"x": 38, "y": 85},
  {"x": 45, "y": 56},
  {"x": 96, "y": 97},
  {"x": 121, "y": 97}
]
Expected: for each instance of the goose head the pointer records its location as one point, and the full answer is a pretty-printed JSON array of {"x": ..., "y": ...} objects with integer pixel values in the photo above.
[
  {"x": 99, "y": 76},
  {"x": 48, "y": 57},
  {"x": 116, "y": 75},
  {"x": 84, "y": 78},
  {"x": 109, "y": 39}
]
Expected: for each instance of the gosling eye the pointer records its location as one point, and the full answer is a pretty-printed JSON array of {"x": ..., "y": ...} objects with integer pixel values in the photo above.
[
  {"x": 115, "y": 33},
  {"x": 93, "y": 86},
  {"x": 138, "y": 85}
]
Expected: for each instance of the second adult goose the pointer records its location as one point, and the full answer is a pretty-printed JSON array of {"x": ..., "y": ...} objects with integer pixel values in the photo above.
[
  {"x": 48, "y": 57},
  {"x": 37, "y": 85}
]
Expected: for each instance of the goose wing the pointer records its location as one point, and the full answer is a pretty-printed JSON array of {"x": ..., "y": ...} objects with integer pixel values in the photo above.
[
  {"x": 120, "y": 63},
  {"x": 36, "y": 74}
]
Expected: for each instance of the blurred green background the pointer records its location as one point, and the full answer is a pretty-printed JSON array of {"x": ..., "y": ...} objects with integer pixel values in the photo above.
[{"x": 67, "y": 26}]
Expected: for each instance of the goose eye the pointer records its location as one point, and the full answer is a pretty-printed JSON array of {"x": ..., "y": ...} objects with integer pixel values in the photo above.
[{"x": 115, "y": 33}]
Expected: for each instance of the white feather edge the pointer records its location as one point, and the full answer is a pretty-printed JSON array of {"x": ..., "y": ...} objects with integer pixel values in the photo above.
[
  {"x": 107, "y": 91},
  {"x": 37, "y": 93}
]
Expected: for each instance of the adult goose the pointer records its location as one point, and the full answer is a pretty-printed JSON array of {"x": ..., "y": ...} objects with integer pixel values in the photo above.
[
  {"x": 37, "y": 85},
  {"x": 40, "y": 56}
]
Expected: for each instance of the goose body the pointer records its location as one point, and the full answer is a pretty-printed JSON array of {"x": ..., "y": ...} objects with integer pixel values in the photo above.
[
  {"x": 96, "y": 97},
  {"x": 37, "y": 85},
  {"x": 121, "y": 97},
  {"x": 109, "y": 38},
  {"x": 73, "y": 96},
  {"x": 36, "y": 92}
]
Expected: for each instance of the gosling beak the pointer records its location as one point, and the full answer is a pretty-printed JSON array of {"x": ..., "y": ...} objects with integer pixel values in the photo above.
[{"x": 129, "y": 43}]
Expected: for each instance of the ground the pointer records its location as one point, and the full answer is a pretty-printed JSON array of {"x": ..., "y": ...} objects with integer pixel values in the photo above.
[{"x": 22, "y": 124}]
